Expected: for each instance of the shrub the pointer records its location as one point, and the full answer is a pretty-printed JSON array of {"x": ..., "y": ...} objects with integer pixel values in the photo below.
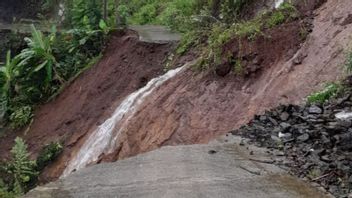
[
  {"x": 285, "y": 12},
  {"x": 21, "y": 116},
  {"x": 86, "y": 14},
  {"x": 330, "y": 91},
  {"x": 348, "y": 62},
  {"x": 48, "y": 154},
  {"x": 249, "y": 29},
  {"x": 21, "y": 168},
  {"x": 46, "y": 64},
  {"x": 4, "y": 193},
  {"x": 275, "y": 19},
  {"x": 7, "y": 77},
  {"x": 146, "y": 14}
]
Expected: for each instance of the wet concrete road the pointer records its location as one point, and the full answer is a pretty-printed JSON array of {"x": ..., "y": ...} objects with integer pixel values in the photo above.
[
  {"x": 147, "y": 33},
  {"x": 155, "y": 34},
  {"x": 220, "y": 169}
]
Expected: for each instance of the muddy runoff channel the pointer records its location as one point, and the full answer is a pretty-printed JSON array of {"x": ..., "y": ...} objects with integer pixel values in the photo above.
[{"x": 103, "y": 139}]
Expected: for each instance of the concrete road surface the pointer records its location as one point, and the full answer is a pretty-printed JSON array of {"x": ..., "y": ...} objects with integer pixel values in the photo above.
[{"x": 221, "y": 169}]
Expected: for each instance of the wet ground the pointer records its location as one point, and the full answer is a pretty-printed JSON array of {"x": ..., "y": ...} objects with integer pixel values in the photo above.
[{"x": 223, "y": 168}]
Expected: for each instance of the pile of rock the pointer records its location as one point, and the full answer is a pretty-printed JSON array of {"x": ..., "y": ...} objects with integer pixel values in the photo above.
[{"x": 316, "y": 141}]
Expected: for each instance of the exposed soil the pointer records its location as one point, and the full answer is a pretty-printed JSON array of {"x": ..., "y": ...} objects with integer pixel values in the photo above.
[
  {"x": 126, "y": 66},
  {"x": 193, "y": 107},
  {"x": 196, "y": 107}
]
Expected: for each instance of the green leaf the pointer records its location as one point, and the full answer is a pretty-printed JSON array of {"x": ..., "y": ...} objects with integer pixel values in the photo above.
[
  {"x": 102, "y": 25},
  {"x": 41, "y": 66},
  {"x": 83, "y": 41}
]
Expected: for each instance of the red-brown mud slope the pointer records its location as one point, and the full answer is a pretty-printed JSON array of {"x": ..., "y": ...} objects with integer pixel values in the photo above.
[
  {"x": 127, "y": 65},
  {"x": 197, "y": 107}
]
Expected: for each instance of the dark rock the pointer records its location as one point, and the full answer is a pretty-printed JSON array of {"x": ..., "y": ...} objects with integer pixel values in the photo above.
[
  {"x": 285, "y": 126},
  {"x": 350, "y": 179},
  {"x": 303, "y": 138},
  {"x": 273, "y": 121},
  {"x": 211, "y": 152},
  {"x": 242, "y": 142},
  {"x": 279, "y": 153},
  {"x": 325, "y": 140},
  {"x": 315, "y": 110},
  {"x": 333, "y": 189},
  {"x": 345, "y": 123},
  {"x": 284, "y": 116},
  {"x": 309, "y": 137},
  {"x": 285, "y": 136},
  {"x": 263, "y": 118},
  {"x": 326, "y": 158},
  {"x": 275, "y": 138},
  {"x": 223, "y": 69}
]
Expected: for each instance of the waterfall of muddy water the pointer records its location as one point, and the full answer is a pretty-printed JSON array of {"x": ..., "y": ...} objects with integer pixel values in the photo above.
[
  {"x": 278, "y": 3},
  {"x": 102, "y": 140}
]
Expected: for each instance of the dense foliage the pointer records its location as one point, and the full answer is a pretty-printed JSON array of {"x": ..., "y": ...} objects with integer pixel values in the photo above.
[
  {"x": 52, "y": 59},
  {"x": 19, "y": 174},
  {"x": 180, "y": 15},
  {"x": 45, "y": 65},
  {"x": 20, "y": 170}
]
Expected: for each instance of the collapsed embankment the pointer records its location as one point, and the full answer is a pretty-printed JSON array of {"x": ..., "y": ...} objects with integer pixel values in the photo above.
[
  {"x": 127, "y": 65},
  {"x": 196, "y": 107},
  {"x": 193, "y": 107}
]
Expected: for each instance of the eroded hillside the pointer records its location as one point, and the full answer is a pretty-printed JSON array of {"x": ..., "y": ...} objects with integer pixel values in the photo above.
[{"x": 193, "y": 107}]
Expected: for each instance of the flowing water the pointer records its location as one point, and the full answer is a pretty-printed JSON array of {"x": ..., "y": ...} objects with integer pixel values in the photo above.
[{"x": 103, "y": 139}]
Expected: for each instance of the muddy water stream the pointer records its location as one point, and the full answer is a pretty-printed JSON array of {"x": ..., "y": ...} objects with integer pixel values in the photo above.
[{"x": 102, "y": 140}]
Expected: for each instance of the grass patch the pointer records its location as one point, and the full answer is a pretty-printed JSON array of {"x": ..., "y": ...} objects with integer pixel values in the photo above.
[
  {"x": 330, "y": 91},
  {"x": 348, "y": 62},
  {"x": 221, "y": 33}
]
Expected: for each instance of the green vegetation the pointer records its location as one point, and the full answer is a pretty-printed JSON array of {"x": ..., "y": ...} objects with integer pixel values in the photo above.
[
  {"x": 46, "y": 63},
  {"x": 35, "y": 74},
  {"x": 50, "y": 60},
  {"x": 348, "y": 62},
  {"x": 48, "y": 154},
  {"x": 285, "y": 12},
  {"x": 209, "y": 23},
  {"x": 331, "y": 90},
  {"x": 221, "y": 33},
  {"x": 174, "y": 14},
  {"x": 20, "y": 171}
]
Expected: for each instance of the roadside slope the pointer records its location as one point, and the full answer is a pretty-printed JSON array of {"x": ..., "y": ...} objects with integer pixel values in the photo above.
[
  {"x": 196, "y": 107},
  {"x": 127, "y": 65}
]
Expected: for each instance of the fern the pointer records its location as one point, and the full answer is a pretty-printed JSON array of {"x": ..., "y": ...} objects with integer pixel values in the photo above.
[{"x": 21, "y": 167}]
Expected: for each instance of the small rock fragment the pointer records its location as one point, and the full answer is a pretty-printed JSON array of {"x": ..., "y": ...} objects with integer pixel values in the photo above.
[
  {"x": 211, "y": 152},
  {"x": 315, "y": 110},
  {"x": 284, "y": 116},
  {"x": 303, "y": 138}
]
